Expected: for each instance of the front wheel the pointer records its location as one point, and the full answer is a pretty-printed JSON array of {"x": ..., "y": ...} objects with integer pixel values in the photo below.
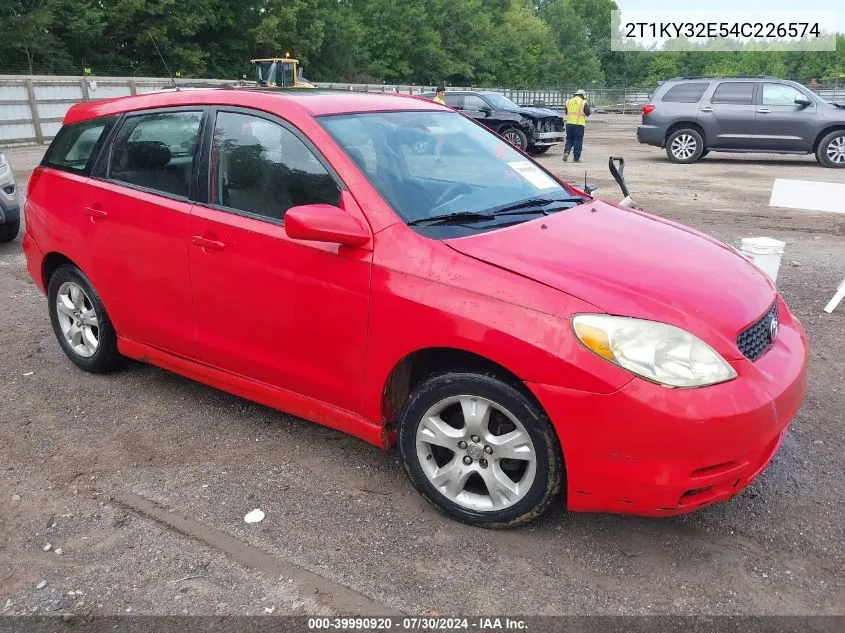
[
  {"x": 480, "y": 450},
  {"x": 831, "y": 151},
  {"x": 684, "y": 146},
  {"x": 9, "y": 230},
  {"x": 515, "y": 137}
]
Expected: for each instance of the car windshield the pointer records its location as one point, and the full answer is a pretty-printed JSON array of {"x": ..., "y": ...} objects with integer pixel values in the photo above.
[
  {"x": 432, "y": 165},
  {"x": 500, "y": 102}
]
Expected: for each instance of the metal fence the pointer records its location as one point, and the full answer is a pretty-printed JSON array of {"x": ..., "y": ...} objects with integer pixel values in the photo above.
[{"x": 32, "y": 107}]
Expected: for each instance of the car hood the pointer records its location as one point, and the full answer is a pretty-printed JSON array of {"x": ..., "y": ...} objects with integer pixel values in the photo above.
[
  {"x": 630, "y": 263},
  {"x": 538, "y": 113}
]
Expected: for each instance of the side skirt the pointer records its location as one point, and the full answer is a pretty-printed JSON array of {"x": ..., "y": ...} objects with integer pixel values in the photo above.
[{"x": 268, "y": 395}]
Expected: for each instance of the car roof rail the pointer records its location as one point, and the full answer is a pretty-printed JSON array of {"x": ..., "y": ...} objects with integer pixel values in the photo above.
[{"x": 737, "y": 76}]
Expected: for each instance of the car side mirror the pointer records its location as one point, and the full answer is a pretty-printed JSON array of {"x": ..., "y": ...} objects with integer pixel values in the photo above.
[
  {"x": 325, "y": 223},
  {"x": 803, "y": 101},
  {"x": 486, "y": 111}
]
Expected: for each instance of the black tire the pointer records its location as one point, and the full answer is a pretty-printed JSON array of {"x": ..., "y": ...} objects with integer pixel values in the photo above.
[
  {"x": 9, "y": 230},
  {"x": 684, "y": 146},
  {"x": 537, "y": 151},
  {"x": 106, "y": 357},
  {"x": 830, "y": 150},
  {"x": 515, "y": 137},
  {"x": 547, "y": 454}
]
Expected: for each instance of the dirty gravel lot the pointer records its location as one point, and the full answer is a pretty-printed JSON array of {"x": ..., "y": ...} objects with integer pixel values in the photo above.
[{"x": 344, "y": 531}]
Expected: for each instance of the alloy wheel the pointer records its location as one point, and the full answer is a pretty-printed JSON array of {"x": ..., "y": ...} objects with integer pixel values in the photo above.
[
  {"x": 836, "y": 150},
  {"x": 78, "y": 319},
  {"x": 513, "y": 138},
  {"x": 476, "y": 453},
  {"x": 684, "y": 146}
]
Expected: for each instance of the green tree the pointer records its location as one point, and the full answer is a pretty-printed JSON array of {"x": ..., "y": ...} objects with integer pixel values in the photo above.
[{"x": 579, "y": 63}]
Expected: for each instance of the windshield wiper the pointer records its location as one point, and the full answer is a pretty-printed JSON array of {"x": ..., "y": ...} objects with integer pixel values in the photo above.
[
  {"x": 458, "y": 217},
  {"x": 530, "y": 203}
]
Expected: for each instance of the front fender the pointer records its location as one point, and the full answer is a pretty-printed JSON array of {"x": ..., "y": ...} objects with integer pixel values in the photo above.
[{"x": 425, "y": 295}]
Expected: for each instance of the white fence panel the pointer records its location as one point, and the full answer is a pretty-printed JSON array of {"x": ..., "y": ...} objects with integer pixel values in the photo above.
[
  {"x": 15, "y": 112},
  {"x": 17, "y": 132},
  {"x": 69, "y": 92}
]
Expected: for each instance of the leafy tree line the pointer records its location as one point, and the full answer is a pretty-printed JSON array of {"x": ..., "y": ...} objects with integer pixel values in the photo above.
[{"x": 514, "y": 43}]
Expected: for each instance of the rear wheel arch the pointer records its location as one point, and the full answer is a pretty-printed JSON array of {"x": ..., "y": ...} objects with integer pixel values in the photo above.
[
  {"x": 684, "y": 125},
  {"x": 51, "y": 262}
]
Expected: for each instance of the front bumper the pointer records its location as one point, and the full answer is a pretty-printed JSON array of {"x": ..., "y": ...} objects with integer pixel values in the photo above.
[
  {"x": 10, "y": 208},
  {"x": 543, "y": 139},
  {"x": 654, "y": 451},
  {"x": 650, "y": 135}
]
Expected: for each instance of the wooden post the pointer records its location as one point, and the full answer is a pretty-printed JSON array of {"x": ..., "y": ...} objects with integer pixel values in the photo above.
[
  {"x": 33, "y": 108},
  {"x": 84, "y": 84}
]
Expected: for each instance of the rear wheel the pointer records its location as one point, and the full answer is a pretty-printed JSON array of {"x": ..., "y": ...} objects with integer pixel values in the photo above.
[
  {"x": 480, "y": 450},
  {"x": 831, "y": 150},
  {"x": 684, "y": 146},
  {"x": 80, "y": 322},
  {"x": 515, "y": 137},
  {"x": 9, "y": 230}
]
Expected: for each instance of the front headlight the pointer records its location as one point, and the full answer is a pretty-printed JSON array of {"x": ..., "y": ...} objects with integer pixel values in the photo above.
[{"x": 655, "y": 351}]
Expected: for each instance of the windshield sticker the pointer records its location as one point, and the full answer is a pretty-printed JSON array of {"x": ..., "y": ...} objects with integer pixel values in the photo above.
[{"x": 533, "y": 175}]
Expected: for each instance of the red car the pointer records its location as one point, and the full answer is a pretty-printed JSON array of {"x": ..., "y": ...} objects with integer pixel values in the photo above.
[{"x": 387, "y": 267}]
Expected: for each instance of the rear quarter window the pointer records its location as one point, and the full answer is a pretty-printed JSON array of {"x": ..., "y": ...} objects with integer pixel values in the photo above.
[
  {"x": 76, "y": 145},
  {"x": 686, "y": 92}
]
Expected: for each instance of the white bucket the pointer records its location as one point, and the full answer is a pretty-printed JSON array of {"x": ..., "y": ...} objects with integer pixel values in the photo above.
[{"x": 765, "y": 252}]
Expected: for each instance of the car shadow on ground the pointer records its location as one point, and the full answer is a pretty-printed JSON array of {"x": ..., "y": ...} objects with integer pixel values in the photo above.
[{"x": 740, "y": 159}]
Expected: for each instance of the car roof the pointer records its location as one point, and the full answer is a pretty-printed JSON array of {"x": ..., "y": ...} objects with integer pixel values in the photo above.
[{"x": 304, "y": 101}]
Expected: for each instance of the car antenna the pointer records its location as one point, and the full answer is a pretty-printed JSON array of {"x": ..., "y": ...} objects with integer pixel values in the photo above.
[{"x": 169, "y": 74}]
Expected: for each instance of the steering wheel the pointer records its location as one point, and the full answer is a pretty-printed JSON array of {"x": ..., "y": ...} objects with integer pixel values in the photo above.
[{"x": 453, "y": 192}]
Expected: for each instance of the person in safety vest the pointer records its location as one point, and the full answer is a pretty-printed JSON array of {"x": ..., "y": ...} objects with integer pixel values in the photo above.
[
  {"x": 577, "y": 111},
  {"x": 439, "y": 95}
]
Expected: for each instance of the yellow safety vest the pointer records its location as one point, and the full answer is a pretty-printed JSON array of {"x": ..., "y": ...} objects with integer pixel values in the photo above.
[
  {"x": 575, "y": 111},
  {"x": 439, "y": 100}
]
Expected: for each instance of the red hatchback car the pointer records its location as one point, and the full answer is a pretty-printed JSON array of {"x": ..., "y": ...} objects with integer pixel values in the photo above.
[{"x": 389, "y": 268}]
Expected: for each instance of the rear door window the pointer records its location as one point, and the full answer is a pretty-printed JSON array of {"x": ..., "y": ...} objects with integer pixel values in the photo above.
[
  {"x": 76, "y": 145},
  {"x": 734, "y": 92},
  {"x": 156, "y": 151},
  {"x": 686, "y": 92}
]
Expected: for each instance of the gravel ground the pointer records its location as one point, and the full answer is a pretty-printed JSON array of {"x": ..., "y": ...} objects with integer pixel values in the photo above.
[{"x": 344, "y": 531}]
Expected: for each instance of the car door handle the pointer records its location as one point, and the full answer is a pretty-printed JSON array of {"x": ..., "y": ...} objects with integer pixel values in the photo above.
[
  {"x": 707, "y": 109},
  {"x": 204, "y": 242},
  {"x": 95, "y": 213},
  {"x": 763, "y": 110}
]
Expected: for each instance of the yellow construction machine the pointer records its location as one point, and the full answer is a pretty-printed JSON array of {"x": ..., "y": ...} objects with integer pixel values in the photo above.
[{"x": 279, "y": 72}]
